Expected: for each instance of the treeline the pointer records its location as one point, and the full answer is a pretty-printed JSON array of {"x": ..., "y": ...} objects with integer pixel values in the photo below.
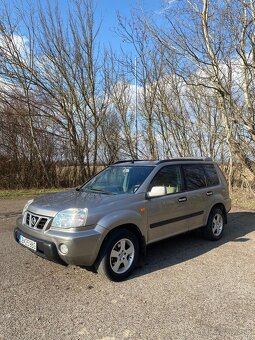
[{"x": 68, "y": 105}]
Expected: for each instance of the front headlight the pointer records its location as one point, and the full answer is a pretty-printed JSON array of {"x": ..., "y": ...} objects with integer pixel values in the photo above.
[
  {"x": 70, "y": 218},
  {"x": 26, "y": 206}
]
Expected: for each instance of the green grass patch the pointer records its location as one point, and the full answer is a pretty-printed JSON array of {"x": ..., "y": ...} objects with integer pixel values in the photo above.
[{"x": 27, "y": 193}]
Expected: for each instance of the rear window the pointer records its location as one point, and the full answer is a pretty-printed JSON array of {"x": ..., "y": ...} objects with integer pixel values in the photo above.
[
  {"x": 211, "y": 175},
  {"x": 194, "y": 176}
]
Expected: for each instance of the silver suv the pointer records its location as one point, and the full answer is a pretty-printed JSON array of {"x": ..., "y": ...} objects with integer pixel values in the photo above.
[{"x": 108, "y": 222}]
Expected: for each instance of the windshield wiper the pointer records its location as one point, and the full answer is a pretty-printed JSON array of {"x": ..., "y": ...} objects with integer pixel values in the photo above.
[{"x": 100, "y": 190}]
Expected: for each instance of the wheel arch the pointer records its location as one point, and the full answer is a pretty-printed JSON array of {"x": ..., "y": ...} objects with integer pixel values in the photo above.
[
  {"x": 223, "y": 209},
  {"x": 130, "y": 227}
]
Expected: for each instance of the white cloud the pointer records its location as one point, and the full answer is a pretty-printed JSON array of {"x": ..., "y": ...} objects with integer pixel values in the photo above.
[{"x": 13, "y": 44}]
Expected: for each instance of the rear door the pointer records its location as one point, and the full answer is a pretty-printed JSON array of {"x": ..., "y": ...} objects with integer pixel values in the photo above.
[{"x": 197, "y": 193}]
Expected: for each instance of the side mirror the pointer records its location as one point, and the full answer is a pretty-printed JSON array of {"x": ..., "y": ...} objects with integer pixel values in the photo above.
[{"x": 156, "y": 191}]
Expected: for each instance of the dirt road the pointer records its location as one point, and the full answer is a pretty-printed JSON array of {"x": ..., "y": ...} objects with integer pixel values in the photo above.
[{"x": 188, "y": 289}]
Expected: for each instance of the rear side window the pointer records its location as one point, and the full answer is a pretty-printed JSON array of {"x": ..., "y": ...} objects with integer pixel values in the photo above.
[
  {"x": 211, "y": 175},
  {"x": 194, "y": 176}
]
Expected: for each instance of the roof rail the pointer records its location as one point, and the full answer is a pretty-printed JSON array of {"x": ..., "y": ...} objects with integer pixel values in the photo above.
[
  {"x": 128, "y": 161},
  {"x": 189, "y": 159}
]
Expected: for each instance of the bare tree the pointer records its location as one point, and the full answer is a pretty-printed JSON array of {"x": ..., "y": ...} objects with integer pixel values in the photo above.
[
  {"x": 201, "y": 35},
  {"x": 69, "y": 106},
  {"x": 61, "y": 62}
]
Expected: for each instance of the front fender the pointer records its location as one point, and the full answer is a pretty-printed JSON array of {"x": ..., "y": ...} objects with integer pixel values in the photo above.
[{"x": 121, "y": 217}]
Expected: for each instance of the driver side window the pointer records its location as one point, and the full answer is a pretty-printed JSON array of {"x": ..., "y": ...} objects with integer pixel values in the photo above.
[{"x": 168, "y": 177}]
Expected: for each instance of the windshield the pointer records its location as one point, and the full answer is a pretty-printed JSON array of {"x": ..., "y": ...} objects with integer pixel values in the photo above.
[{"x": 118, "y": 179}]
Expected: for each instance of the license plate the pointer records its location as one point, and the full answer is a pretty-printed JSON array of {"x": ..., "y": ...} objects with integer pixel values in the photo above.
[{"x": 27, "y": 242}]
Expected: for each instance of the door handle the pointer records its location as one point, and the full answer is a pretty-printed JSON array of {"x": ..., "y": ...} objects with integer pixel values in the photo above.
[
  {"x": 182, "y": 199},
  {"x": 209, "y": 193}
]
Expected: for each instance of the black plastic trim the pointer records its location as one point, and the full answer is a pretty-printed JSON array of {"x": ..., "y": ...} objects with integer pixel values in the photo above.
[
  {"x": 202, "y": 159},
  {"x": 175, "y": 219},
  {"x": 128, "y": 161},
  {"x": 45, "y": 249}
]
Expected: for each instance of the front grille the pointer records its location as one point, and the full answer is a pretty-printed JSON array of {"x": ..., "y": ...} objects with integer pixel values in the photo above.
[
  {"x": 35, "y": 221},
  {"x": 42, "y": 223}
]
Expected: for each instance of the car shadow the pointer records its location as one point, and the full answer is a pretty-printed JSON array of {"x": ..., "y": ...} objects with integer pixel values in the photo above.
[{"x": 184, "y": 247}]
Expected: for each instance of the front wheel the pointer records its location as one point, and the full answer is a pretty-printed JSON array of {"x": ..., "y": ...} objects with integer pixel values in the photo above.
[
  {"x": 119, "y": 255},
  {"x": 215, "y": 225}
]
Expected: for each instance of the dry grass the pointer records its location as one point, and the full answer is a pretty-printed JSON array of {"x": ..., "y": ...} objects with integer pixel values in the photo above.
[
  {"x": 23, "y": 193},
  {"x": 243, "y": 199},
  {"x": 240, "y": 198}
]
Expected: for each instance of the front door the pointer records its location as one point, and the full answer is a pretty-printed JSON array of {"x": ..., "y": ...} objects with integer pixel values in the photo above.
[{"x": 166, "y": 213}]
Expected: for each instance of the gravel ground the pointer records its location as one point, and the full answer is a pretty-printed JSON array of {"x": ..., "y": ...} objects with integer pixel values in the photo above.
[{"x": 188, "y": 289}]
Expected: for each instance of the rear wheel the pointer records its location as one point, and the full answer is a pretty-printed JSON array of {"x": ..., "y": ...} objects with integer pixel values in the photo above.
[
  {"x": 215, "y": 225},
  {"x": 119, "y": 255}
]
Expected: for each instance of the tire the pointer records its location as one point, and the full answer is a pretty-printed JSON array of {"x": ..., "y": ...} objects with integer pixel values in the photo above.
[
  {"x": 215, "y": 226},
  {"x": 119, "y": 255}
]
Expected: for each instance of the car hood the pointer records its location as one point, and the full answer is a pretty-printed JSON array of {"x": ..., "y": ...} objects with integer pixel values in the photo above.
[{"x": 51, "y": 204}]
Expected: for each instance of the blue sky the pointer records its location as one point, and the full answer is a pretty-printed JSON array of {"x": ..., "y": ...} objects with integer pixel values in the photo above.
[
  {"x": 108, "y": 11},
  {"x": 105, "y": 9}
]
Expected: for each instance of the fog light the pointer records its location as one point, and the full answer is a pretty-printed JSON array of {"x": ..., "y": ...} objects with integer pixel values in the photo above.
[{"x": 63, "y": 248}]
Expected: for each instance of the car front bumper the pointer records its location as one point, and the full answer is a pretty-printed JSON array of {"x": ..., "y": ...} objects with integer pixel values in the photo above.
[
  {"x": 45, "y": 249},
  {"x": 83, "y": 245}
]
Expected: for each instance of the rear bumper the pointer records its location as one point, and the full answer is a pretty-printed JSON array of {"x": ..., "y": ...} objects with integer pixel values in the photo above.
[
  {"x": 228, "y": 205},
  {"x": 45, "y": 249}
]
